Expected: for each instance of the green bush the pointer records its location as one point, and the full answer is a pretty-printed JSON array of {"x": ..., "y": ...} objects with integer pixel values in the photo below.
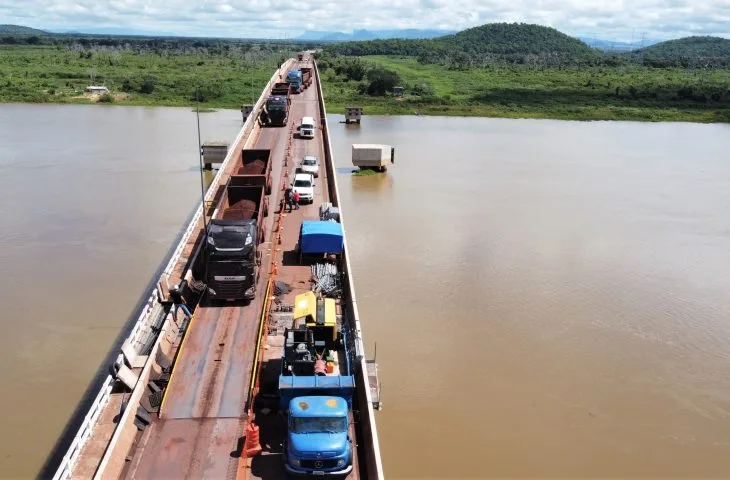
[
  {"x": 382, "y": 81},
  {"x": 148, "y": 85},
  {"x": 106, "y": 98},
  {"x": 422, "y": 89}
]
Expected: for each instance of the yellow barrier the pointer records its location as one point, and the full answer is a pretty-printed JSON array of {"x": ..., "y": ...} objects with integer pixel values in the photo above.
[
  {"x": 179, "y": 352},
  {"x": 262, "y": 322}
]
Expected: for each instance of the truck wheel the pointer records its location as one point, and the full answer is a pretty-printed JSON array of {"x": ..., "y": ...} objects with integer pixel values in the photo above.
[
  {"x": 266, "y": 207},
  {"x": 268, "y": 192}
]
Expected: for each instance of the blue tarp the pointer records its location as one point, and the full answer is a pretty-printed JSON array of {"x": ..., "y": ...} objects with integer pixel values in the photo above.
[{"x": 321, "y": 237}]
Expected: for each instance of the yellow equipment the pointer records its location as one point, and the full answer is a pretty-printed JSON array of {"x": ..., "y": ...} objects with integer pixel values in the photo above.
[{"x": 319, "y": 315}]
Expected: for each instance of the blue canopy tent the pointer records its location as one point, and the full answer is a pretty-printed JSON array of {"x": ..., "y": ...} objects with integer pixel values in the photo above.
[{"x": 321, "y": 237}]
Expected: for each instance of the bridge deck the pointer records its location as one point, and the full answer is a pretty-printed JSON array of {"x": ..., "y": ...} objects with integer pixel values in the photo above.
[{"x": 199, "y": 431}]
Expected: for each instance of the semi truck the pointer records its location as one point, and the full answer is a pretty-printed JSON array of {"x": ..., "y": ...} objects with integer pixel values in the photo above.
[
  {"x": 306, "y": 76},
  {"x": 276, "y": 110},
  {"x": 316, "y": 388},
  {"x": 255, "y": 168},
  {"x": 373, "y": 156},
  {"x": 234, "y": 234},
  {"x": 294, "y": 79}
]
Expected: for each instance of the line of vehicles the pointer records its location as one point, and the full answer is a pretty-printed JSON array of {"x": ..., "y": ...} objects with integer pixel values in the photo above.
[
  {"x": 276, "y": 109},
  {"x": 316, "y": 381}
]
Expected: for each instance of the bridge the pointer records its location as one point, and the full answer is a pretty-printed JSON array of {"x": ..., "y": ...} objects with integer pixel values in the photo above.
[{"x": 181, "y": 393}]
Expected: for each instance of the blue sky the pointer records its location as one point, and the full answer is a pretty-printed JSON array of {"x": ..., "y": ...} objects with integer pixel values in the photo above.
[{"x": 610, "y": 19}]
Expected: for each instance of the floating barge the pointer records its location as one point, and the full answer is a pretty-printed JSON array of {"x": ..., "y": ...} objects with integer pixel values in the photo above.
[{"x": 208, "y": 396}]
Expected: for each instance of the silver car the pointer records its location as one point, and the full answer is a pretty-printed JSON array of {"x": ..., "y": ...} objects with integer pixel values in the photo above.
[{"x": 310, "y": 164}]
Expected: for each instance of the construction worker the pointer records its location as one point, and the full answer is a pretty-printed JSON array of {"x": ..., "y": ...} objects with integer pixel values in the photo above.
[
  {"x": 178, "y": 302},
  {"x": 289, "y": 198}
]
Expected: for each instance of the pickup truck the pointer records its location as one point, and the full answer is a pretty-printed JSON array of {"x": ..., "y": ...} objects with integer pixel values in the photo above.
[{"x": 304, "y": 184}]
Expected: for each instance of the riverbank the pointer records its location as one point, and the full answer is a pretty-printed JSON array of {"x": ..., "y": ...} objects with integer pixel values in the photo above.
[
  {"x": 53, "y": 74},
  {"x": 627, "y": 92}
]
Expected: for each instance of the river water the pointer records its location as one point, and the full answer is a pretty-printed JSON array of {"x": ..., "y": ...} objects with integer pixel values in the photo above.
[{"x": 549, "y": 299}]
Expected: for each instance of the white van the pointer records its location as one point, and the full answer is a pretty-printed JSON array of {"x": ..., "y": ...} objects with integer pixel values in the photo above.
[{"x": 306, "y": 128}]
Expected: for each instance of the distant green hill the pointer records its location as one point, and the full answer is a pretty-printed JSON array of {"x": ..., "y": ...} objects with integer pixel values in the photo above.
[
  {"x": 502, "y": 40},
  {"x": 20, "y": 30},
  {"x": 690, "y": 47},
  {"x": 514, "y": 38}
]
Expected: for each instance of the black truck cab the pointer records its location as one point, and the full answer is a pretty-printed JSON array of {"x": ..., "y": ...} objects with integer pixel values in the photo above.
[{"x": 233, "y": 259}]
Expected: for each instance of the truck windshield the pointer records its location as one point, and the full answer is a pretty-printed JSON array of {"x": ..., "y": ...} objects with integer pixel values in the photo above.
[
  {"x": 229, "y": 237},
  {"x": 319, "y": 425},
  {"x": 302, "y": 183},
  {"x": 276, "y": 104},
  {"x": 309, "y": 161}
]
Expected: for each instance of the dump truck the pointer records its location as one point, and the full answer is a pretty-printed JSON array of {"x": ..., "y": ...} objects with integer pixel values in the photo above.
[
  {"x": 294, "y": 79},
  {"x": 276, "y": 110},
  {"x": 306, "y": 76},
  {"x": 316, "y": 388},
  {"x": 233, "y": 238},
  {"x": 255, "y": 168},
  {"x": 373, "y": 156}
]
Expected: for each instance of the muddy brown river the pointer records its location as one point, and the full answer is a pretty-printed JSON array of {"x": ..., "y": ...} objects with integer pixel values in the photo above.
[{"x": 549, "y": 299}]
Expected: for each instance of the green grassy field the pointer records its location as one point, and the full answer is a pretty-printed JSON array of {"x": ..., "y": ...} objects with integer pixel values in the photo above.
[
  {"x": 59, "y": 74},
  {"x": 586, "y": 93}
]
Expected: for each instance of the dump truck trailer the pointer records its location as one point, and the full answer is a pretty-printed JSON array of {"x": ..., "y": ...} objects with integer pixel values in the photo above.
[
  {"x": 255, "y": 168},
  {"x": 306, "y": 76},
  {"x": 280, "y": 89}
]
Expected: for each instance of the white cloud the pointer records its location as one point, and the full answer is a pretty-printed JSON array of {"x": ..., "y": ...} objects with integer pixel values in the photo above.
[{"x": 612, "y": 19}]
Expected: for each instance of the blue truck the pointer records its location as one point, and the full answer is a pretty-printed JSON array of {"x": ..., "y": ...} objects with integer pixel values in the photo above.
[
  {"x": 294, "y": 79},
  {"x": 316, "y": 388}
]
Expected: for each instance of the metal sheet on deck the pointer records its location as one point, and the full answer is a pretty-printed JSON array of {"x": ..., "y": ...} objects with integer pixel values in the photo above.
[
  {"x": 211, "y": 378},
  {"x": 190, "y": 448}
]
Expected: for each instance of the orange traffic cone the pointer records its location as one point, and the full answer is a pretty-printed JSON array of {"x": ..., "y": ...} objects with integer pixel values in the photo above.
[{"x": 253, "y": 446}]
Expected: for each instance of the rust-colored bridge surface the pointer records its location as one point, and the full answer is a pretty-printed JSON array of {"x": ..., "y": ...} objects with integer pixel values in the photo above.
[{"x": 202, "y": 417}]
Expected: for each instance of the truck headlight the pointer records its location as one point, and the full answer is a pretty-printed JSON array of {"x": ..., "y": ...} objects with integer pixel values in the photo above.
[
  {"x": 341, "y": 462},
  {"x": 295, "y": 463}
]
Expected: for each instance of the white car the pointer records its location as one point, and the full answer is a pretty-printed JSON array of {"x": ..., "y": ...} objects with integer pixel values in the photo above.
[
  {"x": 304, "y": 184},
  {"x": 310, "y": 164}
]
